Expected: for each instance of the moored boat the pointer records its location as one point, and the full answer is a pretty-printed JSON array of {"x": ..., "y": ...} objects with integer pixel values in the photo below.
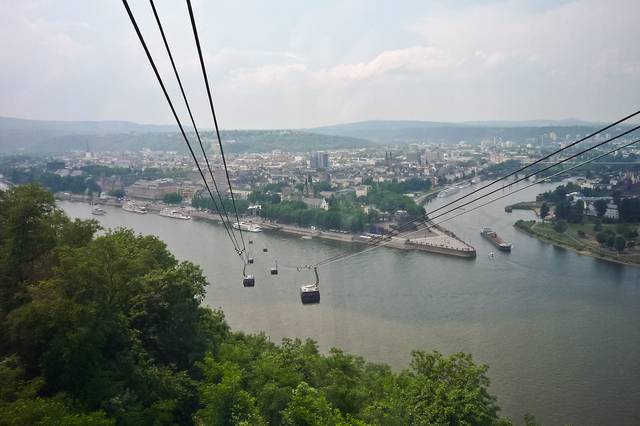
[
  {"x": 174, "y": 214},
  {"x": 248, "y": 227},
  {"x": 133, "y": 207}
]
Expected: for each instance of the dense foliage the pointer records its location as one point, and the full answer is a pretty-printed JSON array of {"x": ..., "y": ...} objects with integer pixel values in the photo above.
[
  {"x": 172, "y": 198},
  {"x": 56, "y": 183},
  {"x": 629, "y": 209},
  {"x": 501, "y": 169},
  {"x": 560, "y": 193},
  {"x": 345, "y": 211},
  {"x": 390, "y": 201},
  {"x": 111, "y": 329},
  {"x": 22, "y": 170},
  {"x": 408, "y": 185},
  {"x": 202, "y": 200}
]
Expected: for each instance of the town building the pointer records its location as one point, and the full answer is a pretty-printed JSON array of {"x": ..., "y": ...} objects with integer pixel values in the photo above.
[{"x": 152, "y": 189}]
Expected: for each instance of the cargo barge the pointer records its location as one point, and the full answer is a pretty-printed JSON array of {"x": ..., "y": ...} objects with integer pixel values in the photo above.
[{"x": 490, "y": 234}]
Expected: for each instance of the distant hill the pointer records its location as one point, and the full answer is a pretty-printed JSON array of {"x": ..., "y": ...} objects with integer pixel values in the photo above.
[
  {"x": 386, "y": 131},
  {"x": 50, "y": 137},
  {"x": 20, "y": 135},
  {"x": 287, "y": 140}
]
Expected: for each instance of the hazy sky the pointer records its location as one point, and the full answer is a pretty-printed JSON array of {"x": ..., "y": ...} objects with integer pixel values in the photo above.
[{"x": 299, "y": 63}]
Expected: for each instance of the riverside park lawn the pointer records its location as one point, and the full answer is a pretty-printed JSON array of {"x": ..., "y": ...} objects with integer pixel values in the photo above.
[{"x": 585, "y": 244}]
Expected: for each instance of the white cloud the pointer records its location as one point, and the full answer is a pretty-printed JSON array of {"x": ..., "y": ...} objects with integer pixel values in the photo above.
[
  {"x": 416, "y": 58},
  {"x": 497, "y": 60},
  {"x": 266, "y": 74}
]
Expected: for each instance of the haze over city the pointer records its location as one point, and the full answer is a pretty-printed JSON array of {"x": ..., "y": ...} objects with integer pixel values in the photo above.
[{"x": 293, "y": 64}]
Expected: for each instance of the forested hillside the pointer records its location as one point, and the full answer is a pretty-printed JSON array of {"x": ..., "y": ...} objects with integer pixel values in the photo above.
[
  {"x": 109, "y": 328},
  {"x": 50, "y": 137},
  {"x": 400, "y": 132}
]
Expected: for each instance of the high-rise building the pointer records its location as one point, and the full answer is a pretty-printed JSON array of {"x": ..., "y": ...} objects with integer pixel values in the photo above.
[
  {"x": 414, "y": 157},
  {"x": 319, "y": 160}
]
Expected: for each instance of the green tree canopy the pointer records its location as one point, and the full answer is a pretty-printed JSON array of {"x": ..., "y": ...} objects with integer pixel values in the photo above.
[
  {"x": 111, "y": 329},
  {"x": 172, "y": 198}
]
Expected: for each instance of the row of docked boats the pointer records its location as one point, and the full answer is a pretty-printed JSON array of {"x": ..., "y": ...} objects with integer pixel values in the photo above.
[{"x": 172, "y": 213}]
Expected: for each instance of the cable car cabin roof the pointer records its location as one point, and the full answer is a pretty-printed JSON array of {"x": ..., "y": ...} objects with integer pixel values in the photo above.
[
  {"x": 309, "y": 288},
  {"x": 310, "y": 294}
]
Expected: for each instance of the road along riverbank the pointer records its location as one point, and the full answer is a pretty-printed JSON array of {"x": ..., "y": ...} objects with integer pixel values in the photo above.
[{"x": 431, "y": 238}]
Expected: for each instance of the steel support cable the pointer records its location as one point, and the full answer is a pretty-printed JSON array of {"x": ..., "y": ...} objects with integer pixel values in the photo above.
[
  {"x": 213, "y": 113},
  {"x": 175, "y": 115},
  {"x": 541, "y": 180},
  {"x": 184, "y": 97},
  {"x": 325, "y": 263},
  {"x": 589, "y": 136},
  {"x": 424, "y": 217},
  {"x": 633, "y": 129}
]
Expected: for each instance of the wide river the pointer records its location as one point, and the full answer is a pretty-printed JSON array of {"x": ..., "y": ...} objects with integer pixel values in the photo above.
[{"x": 561, "y": 332}]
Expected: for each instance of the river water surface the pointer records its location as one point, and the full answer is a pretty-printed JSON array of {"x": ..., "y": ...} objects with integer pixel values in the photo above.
[{"x": 561, "y": 332}]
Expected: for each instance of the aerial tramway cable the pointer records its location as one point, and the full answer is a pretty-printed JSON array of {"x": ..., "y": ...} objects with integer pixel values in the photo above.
[
  {"x": 249, "y": 279},
  {"x": 425, "y": 216},
  {"x": 546, "y": 157},
  {"x": 213, "y": 113},
  {"x": 633, "y": 129},
  {"x": 373, "y": 247},
  {"x": 542, "y": 180},
  {"x": 184, "y": 97},
  {"x": 175, "y": 116}
]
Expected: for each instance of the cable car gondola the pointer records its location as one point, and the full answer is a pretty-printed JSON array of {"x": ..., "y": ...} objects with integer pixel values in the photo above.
[
  {"x": 248, "y": 281},
  {"x": 250, "y": 260},
  {"x": 311, "y": 293},
  {"x": 264, "y": 250},
  {"x": 274, "y": 270}
]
